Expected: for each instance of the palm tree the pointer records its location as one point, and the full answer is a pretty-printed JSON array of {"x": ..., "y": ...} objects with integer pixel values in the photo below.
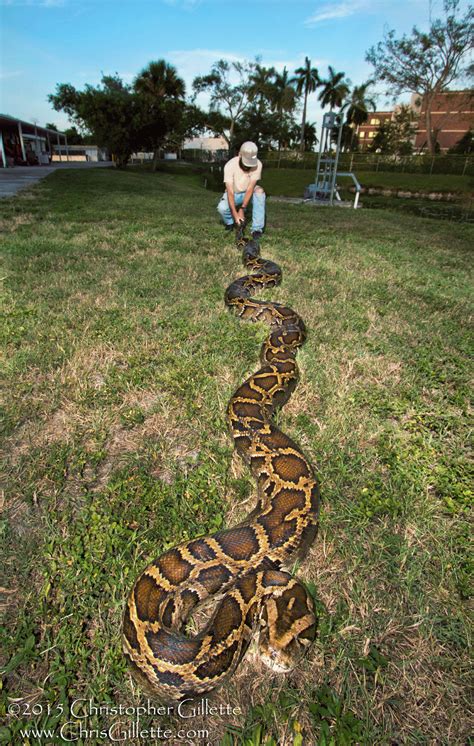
[
  {"x": 283, "y": 100},
  {"x": 159, "y": 83},
  {"x": 283, "y": 93},
  {"x": 306, "y": 80},
  {"x": 160, "y": 80},
  {"x": 335, "y": 89},
  {"x": 261, "y": 85},
  {"x": 358, "y": 106}
]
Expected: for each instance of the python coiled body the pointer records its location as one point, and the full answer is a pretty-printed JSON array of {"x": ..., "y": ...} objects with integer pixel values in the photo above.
[{"x": 246, "y": 565}]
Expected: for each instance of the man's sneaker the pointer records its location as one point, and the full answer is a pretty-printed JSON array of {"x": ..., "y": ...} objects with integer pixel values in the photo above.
[
  {"x": 229, "y": 227},
  {"x": 256, "y": 235}
]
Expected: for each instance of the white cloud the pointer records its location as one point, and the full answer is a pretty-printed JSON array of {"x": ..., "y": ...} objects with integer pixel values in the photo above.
[
  {"x": 193, "y": 62},
  {"x": 6, "y": 75},
  {"x": 332, "y": 11}
]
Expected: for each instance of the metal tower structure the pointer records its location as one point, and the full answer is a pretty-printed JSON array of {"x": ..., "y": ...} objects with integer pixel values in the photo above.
[{"x": 326, "y": 169}]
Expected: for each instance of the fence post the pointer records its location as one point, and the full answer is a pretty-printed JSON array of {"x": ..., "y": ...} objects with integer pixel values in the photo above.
[
  {"x": 352, "y": 161},
  {"x": 432, "y": 164},
  {"x": 465, "y": 166}
]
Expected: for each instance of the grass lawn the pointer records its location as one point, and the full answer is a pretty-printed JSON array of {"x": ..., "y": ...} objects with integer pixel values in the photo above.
[
  {"x": 120, "y": 360},
  {"x": 290, "y": 182}
]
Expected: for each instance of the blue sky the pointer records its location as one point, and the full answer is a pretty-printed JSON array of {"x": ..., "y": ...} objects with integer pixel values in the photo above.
[{"x": 45, "y": 42}]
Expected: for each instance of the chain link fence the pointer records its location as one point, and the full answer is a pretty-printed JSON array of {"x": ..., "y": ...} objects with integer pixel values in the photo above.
[{"x": 421, "y": 164}]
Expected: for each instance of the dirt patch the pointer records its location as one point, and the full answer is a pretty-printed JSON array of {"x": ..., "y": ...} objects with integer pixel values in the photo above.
[
  {"x": 177, "y": 444},
  {"x": 11, "y": 224}
]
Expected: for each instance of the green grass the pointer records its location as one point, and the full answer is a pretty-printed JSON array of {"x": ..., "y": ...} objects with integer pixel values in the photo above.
[
  {"x": 290, "y": 182},
  {"x": 120, "y": 359}
]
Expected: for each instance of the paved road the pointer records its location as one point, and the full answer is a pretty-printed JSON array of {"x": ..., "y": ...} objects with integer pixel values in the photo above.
[{"x": 20, "y": 177}]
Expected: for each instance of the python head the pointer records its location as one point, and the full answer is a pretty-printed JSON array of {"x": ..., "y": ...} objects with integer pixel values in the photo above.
[{"x": 287, "y": 628}]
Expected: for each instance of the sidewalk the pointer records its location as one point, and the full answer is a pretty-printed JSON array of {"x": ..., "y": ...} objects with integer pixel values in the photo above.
[{"x": 20, "y": 177}]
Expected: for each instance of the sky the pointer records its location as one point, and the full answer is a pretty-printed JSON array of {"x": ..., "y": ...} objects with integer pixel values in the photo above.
[{"x": 46, "y": 42}]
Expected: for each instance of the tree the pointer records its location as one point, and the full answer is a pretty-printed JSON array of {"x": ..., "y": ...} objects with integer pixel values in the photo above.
[
  {"x": 395, "y": 135},
  {"x": 261, "y": 85},
  {"x": 311, "y": 138},
  {"x": 190, "y": 122},
  {"x": 228, "y": 99},
  {"x": 109, "y": 111},
  {"x": 159, "y": 80},
  {"x": 357, "y": 109},
  {"x": 335, "y": 89},
  {"x": 426, "y": 63},
  {"x": 465, "y": 145},
  {"x": 306, "y": 81},
  {"x": 160, "y": 93},
  {"x": 149, "y": 114},
  {"x": 283, "y": 102},
  {"x": 262, "y": 127}
]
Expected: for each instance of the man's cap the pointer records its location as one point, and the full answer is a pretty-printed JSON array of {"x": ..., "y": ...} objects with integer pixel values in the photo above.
[{"x": 248, "y": 153}]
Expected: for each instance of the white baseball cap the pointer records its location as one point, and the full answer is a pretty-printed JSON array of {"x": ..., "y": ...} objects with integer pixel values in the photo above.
[{"x": 248, "y": 153}]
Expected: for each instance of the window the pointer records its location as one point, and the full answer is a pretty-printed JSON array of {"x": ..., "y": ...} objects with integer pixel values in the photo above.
[
  {"x": 362, "y": 135},
  {"x": 375, "y": 121},
  {"x": 371, "y": 134}
]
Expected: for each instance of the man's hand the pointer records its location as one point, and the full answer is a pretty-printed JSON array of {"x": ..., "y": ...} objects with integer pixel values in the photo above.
[{"x": 240, "y": 216}]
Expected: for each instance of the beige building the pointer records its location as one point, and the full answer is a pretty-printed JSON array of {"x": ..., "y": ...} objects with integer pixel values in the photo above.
[{"x": 210, "y": 144}]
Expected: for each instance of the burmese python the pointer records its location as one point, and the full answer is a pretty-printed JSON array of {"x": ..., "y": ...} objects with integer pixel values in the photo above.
[{"x": 245, "y": 563}]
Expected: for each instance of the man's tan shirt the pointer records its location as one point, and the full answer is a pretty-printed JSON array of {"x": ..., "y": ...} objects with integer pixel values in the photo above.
[{"x": 240, "y": 180}]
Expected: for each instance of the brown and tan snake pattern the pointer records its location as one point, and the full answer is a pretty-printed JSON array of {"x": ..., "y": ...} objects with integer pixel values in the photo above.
[{"x": 247, "y": 566}]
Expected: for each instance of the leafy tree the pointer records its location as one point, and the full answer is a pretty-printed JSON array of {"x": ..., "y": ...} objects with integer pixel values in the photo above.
[
  {"x": 335, "y": 89},
  {"x": 150, "y": 114},
  {"x": 191, "y": 122},
  {"x": 426, "y": 63},
  {"x": 217, "y": 123},
  {"x": 261, "y": 127},
  {"x": 311, "y": 138},
  {"x": 160, "y": 93},
  {"x": 109, "y": 111},
  {"x": 306, "y": 81},
  {"x": 230, "y": 100},
  {"x": 74, "y": 137},
  {"x": 395, "y": 135}
]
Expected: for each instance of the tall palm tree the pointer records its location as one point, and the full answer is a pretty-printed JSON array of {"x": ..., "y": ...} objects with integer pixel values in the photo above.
[
  {"x": 159, "y": 85},
  {"x": 358, "y": 106},
  {"x": 335, "y": 89},
  {"x": 306, "y": 81},
  {"x": 283, "y": 99},
  {"x": 261, "y": 85}
]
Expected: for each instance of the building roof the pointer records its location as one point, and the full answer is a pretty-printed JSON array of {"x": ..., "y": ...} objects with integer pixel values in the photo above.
[{"x": 28, "y": 127}]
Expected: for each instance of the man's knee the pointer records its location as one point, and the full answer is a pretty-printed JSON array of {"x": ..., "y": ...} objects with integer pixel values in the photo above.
[{"x": 258, "y": 190}]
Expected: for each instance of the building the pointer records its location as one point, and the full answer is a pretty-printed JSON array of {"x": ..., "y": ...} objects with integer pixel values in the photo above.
[
  {"x": 26, "y": 143},
  {"x": 205, "y": 148},
  {"x": 90, "y": 153},
  {"x": 367, "y": 131},
  {"x": 452, "y": 115}
]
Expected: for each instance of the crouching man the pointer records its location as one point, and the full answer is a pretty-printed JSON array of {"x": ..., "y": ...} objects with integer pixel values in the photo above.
[{"x": 240, "y": 178}]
